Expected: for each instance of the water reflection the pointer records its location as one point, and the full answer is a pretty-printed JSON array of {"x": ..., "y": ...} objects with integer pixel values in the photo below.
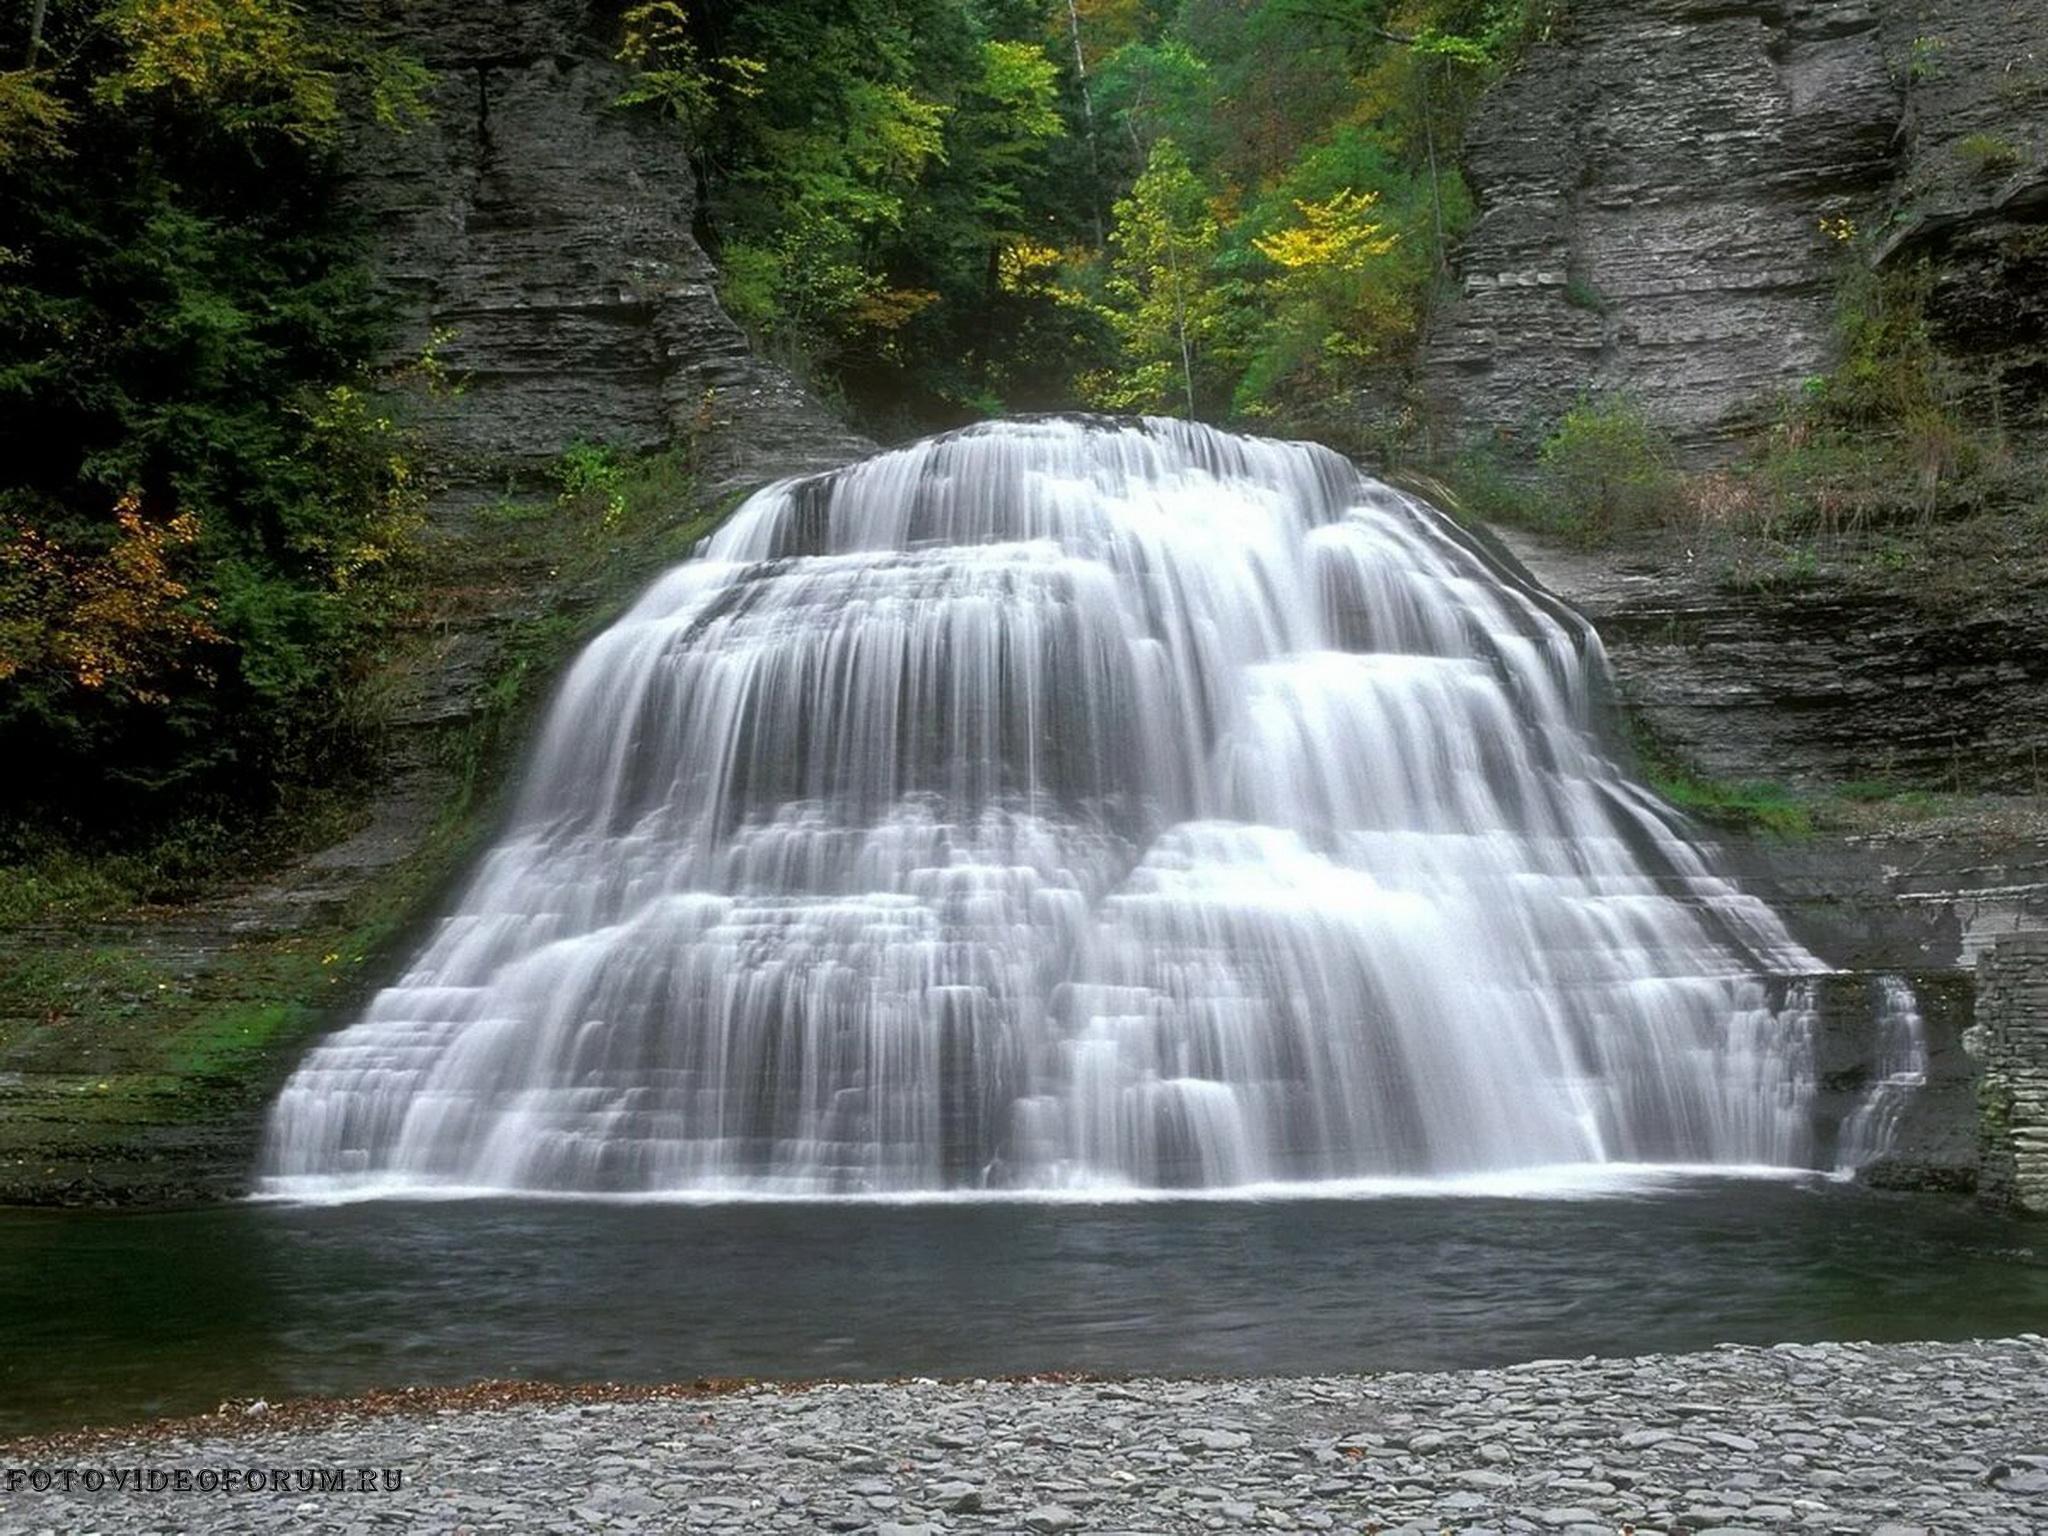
[{"x": 115, "y": 1317}]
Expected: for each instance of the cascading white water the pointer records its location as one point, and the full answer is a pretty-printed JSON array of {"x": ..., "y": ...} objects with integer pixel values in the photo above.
[
  {"x": 1869, "y": 1130},
  {"x": 1065, "y": 804}
]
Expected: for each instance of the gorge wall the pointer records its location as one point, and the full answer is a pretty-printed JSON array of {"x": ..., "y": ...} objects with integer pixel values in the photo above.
[
  {"x": 2011, "y": 1038},
  {"x": 1831, "y": 678},
  {"x": 537, "y": 239},
  {"x": 1653, "y": 181},
  {"x": 540, "y": 237}
]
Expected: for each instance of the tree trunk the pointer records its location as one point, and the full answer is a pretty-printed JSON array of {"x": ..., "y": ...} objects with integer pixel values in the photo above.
[
  {"x": 1180, "y": 321},
  {"x": 1087, "y": 118},
  {"x": 35, "y": 33},
  {"x": 1436, "y": 200}
]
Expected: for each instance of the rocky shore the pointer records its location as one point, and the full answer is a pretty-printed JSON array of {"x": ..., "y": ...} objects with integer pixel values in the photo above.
[{"x": 1810, "y": 1438}]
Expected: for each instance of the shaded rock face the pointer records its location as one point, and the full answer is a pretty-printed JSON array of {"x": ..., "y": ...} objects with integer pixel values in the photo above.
[
  {"x": 1652, "y": 186},
  {"x": 1816, "y": 684},
  {"x": 544, "y": 235}
]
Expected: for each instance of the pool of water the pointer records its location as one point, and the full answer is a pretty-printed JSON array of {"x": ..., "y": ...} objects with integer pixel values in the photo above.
[{"x": 114, "y": 1317}]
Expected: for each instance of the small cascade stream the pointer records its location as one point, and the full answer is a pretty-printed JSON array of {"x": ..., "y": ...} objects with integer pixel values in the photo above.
[
  {"x": 1067, "y": 805},
  {"x": 1900, "y": 1073}
]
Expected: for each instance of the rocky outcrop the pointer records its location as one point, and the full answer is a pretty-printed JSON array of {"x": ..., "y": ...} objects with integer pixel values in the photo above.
[
  {"x": 1817, "y": 679},
  {"x": 1972, "y": 192},
  {"x": 1821, "y": 684},
  {"x": 1652, "y": 184},
  {"x": 2011, "y": 1040},
  {"x": 540, "y": 238}
]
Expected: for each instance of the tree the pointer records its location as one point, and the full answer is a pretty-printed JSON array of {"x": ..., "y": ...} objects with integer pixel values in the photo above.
[
  {"x": 198, "y": 508},
  {"x": 999, "y": 131},
  {"x": 1165, "y": 301},
  {"x": 673, "y": 78}
]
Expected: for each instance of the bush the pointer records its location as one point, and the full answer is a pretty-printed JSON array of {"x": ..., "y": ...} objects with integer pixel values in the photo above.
[
  {"x": 1609, "y": 467},
  {"x": 1884, "y": 437},
  {"x": 592, "y": 479},
  {"x": 1581, "y": 294},
  {"x": 1480, "y": 486},
  {"x": 1985, "y": 154}
]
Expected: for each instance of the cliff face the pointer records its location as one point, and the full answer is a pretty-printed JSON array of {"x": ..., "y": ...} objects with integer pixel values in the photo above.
[
  {"x": 545, "y": 234},
  {"x": 1817, "y": 682},
  {"x": 1652, "y": 185}
]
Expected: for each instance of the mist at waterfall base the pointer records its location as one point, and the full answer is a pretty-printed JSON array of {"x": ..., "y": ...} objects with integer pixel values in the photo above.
[{"x": 1071, "y": 807}]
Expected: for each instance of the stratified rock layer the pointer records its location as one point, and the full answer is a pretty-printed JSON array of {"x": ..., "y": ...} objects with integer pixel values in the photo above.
[
  {"x": 1653, "y": 183},
  {"x": 2012, "y": 1039},
  {"x": 1814, "y": 680},
  {"x": 543, "y": 234}
]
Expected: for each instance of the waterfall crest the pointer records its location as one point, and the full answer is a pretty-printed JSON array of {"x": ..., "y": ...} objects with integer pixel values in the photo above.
[{"x": 1067, "y": 804}]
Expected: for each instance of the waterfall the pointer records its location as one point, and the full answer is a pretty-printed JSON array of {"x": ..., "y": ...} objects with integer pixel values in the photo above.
[
  {"x": 1067, "y": 804},
  {"x": 1870, "y": 1130}
]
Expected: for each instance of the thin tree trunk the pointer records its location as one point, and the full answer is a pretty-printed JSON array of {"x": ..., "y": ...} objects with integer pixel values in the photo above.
[
  {"x": 35, "y": 33},
  {"x": 1436, "y": 200},
  {"x": 1087, "y": 118},
  {"x": 1180, "y": 321}
]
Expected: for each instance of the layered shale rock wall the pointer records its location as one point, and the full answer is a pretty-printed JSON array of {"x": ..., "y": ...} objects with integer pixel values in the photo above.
[
  {"x": 2011, "y": 1042},
  {"x": 544, "y": 236},
  {"x": 1816, "y": 682},
  {"x": 1652, "y": 186}
]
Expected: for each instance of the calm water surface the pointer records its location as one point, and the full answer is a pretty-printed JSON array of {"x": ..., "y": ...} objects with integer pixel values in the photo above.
[{"x": 115, "y": 1317}]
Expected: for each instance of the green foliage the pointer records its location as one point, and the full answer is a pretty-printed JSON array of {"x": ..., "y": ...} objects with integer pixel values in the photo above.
[
  {"x": 1884, "y": 436},
  {"x": 254, "y": 70},
  {"x": 1772, "y": 809},
  {"x": 1165, "y": 301},
  {"x": 1768, "y": 808},
  {"x": 938, "y": 208},
  {"x": 1480, "y": 486},
  {"x": 594, "y": 558},
  {"x": 1605, "y": 469},
  {"x": 1986, "y": 154},
  {"x": 1581, "y": 294},
  {"x": 820, "y": 135},
  {"x": 1886, "y": 792},
  {"x": 590, "y": 474},
  {"x": 1923, "y": 58},
  {"x": 204, "y": 518},
  {"x": 33, "y": 117},
  {"x": 671, "y": 76},
  {"x": 1609, "y": 467}
]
